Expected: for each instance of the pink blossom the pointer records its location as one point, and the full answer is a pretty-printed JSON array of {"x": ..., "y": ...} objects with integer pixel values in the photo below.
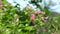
[
  {"x": 1, "y": 5},
  {"x": 37, "y": 12},
  {"x": 32, "y": 16}
]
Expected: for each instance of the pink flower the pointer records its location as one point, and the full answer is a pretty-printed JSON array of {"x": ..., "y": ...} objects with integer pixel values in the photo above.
[
  {"x": 37, "y": 12},
  {"x": 32, "y": 16},
  {"x": 1, "y": 5}
]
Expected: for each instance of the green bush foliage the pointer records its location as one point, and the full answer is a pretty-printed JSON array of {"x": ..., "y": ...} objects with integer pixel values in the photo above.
[{"x": 14, "y": 21}]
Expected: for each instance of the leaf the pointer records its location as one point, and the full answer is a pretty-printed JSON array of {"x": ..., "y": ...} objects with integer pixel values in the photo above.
[{"x": 30, "y": 28}]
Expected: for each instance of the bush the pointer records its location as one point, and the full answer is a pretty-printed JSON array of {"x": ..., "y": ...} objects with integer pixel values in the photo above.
[{"x": 14, "y": 21}]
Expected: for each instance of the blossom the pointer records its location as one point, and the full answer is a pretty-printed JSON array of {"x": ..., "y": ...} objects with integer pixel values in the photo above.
[
  {"x": 44, "y": 18},
  {"x": 27, "y": 7},
  {"x": 1, "y": 5},
  {"x": 32, "y": 16},
  {"x": 37, "y": 12}
]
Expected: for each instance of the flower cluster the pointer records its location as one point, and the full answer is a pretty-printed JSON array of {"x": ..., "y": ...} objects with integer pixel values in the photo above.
[{"x": 38, "y": 12}]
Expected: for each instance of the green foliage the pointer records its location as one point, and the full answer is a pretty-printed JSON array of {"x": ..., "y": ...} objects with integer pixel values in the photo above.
[
  {"x": 14, "y": 21},
  {"x": 4, "y": 1},
  {"x": 9, "y": 23}
]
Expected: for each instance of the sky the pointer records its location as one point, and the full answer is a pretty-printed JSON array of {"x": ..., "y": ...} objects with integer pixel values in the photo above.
[{"x": 54, "y": 4}]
